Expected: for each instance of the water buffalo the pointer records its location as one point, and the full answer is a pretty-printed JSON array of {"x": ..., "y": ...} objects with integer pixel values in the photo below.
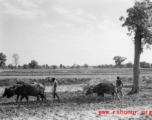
[
  {"x": 24, "y": 90},
  {"x": 103, "y": 88},
  {"x": 31, "y": 90}
]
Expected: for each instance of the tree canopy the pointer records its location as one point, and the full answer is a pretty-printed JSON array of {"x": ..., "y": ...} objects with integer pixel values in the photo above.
[
  {"x": 15, "y": 59},
  {"x": 118, "y": 60},
  {"x": 33, "y": 64},
  {"x": 139, "y": 21}
]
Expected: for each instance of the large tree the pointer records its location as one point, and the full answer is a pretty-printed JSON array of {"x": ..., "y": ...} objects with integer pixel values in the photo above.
[
  {"x": 145, "y": 64},
  {"x": 85, "y": 65},
  {"x": 25, "y": 66},
  {"x": 129, "y": 65},
  {"x": 139, "y": 24},
  {"x": 33, "y": 64},
  {"x": 15, "y": 59},
  {"x": 118, "y": 60},
  {"x": 2, "y": 60},
  {"x": 10, "y": 66}
]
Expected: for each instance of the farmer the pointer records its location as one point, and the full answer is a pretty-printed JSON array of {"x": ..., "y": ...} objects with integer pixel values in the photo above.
[
  {"x": 119, "y": 85},
  {"x": 54, "y": 89}
]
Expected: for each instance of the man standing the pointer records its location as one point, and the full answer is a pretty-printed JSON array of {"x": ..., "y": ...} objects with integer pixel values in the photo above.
[
  {"x": 54, "y": 89},
  {"x": 119, "y": 85}
]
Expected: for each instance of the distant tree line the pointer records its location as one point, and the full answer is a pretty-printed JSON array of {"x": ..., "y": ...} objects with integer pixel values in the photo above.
[
  {"x": 34, "y": 64},
  {"x": 127, "y": 65}
]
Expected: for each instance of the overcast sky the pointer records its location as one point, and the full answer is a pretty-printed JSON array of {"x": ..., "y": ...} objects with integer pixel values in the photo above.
[{"x": 66, "y": 32}]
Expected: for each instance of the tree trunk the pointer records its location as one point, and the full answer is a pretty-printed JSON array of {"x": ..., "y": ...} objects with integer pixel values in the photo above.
[{"x": 136, "y": 68}]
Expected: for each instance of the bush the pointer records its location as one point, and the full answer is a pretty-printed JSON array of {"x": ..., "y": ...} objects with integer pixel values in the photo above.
[{"x": 145, "y": 65}]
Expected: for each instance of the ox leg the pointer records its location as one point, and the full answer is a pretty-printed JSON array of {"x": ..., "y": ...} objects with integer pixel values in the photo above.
[
  {"x": 20, "y": 100},
  {"x": 38, "y": 99},
  {"x": 42, "y": 97},
  {"x": 97, "y": 95},
  {"x": 41, "y": 101},
  {"x": 103, "y": 97},
  {"x": 113, "y": 95},
  {"x": 27, "y": 99},
  {"x": 96, "y": 98},
  {"x": 102, "y": 94},
  {"x": 45, "y": 99},
  {"x": 17, "y": 98}
]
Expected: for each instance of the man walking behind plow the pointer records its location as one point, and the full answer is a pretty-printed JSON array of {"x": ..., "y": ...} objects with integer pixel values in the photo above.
[
  {"x": 54, "y": 89},
  {"x": 119, "y": 85}
]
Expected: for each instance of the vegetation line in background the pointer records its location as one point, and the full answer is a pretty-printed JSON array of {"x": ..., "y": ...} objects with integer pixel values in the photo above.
[{"x": 34, "y": 64}]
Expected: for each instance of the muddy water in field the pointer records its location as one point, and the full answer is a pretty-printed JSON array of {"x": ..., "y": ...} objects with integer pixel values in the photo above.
[{"x": 62, "y": 88}]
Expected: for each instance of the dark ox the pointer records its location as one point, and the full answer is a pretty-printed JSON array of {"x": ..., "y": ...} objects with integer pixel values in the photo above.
[
  {"x": 103, "y": 88},
  {"x": 38, "y": 91},
  {"x": 25, "y": 90},
  {"x": 14, "y": 90}
]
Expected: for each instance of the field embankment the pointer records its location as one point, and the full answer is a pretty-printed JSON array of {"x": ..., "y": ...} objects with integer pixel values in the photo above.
[
  {"x": 61, "y": 81},
  {"x": 128, "y": 81},
  {"x": 81, "y": 71}
]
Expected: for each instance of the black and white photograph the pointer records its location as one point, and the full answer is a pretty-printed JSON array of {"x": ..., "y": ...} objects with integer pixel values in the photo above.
[{"x": 75, "y": 60}]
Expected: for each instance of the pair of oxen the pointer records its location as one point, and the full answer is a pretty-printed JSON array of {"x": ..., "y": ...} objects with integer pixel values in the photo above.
[
  {"x": 25, "y": 90},
  {"x": 102, "y": 88}
]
